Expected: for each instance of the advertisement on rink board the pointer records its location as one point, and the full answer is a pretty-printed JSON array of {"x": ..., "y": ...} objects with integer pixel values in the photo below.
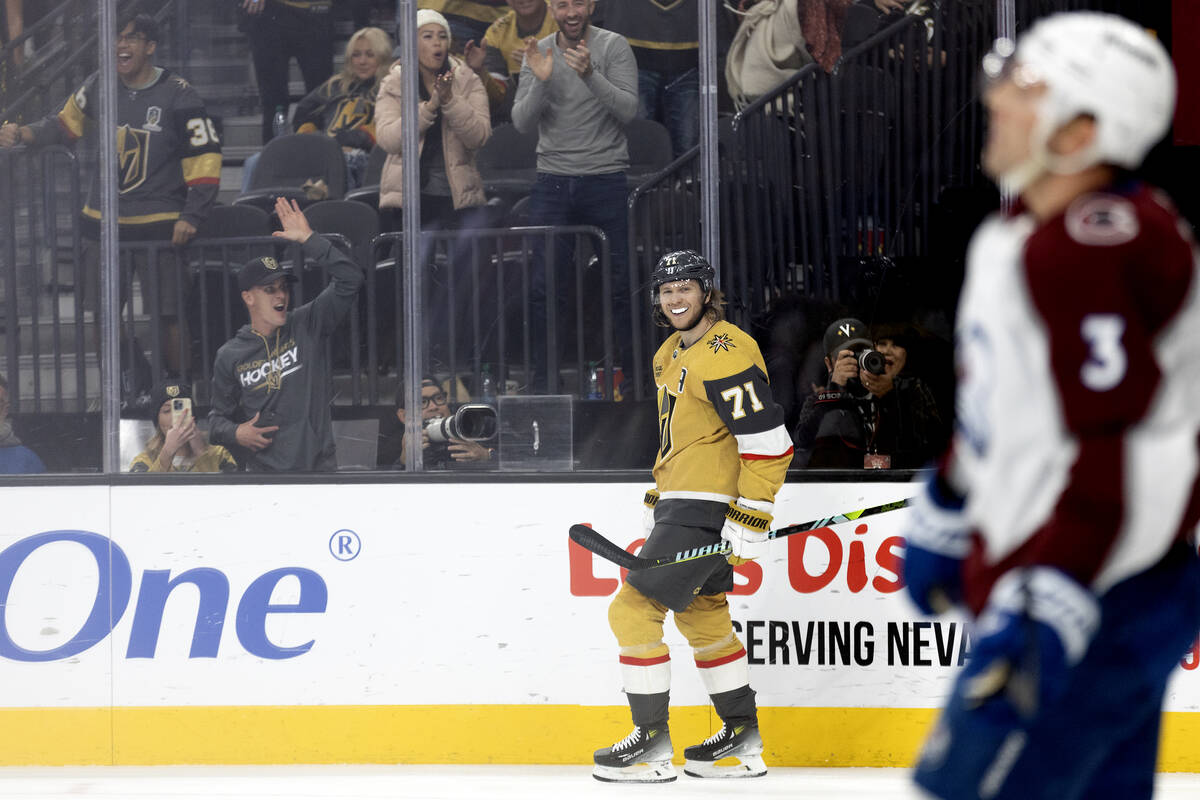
[{"x": 433, "y": 594}]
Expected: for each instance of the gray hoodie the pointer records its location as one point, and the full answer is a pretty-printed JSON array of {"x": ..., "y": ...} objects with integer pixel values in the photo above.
[{"x": 286, "y": 377}]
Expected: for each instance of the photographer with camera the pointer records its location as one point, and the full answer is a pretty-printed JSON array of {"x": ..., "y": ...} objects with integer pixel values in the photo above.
[
  {"x": 450, "y": 440},
  {"x": 272, "y": 382},
  {"x": 868, "y": 416}
]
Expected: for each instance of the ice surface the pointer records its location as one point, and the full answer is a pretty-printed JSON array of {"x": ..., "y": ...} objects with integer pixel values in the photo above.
[{"x": 458, "y": 782}]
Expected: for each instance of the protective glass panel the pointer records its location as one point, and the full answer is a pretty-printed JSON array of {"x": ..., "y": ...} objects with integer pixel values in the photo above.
[{"x": 845, "y": 188}]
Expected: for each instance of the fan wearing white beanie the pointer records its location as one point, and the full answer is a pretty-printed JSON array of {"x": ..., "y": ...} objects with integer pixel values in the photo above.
[
  {"x": 454, "y": 122},
  {"x": 427, "y": 16}
]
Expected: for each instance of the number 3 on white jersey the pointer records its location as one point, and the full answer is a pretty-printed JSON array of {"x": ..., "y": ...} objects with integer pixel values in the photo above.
[
  {"x": 737, "y": 395},
  {"x": 1107, "y": 362}
]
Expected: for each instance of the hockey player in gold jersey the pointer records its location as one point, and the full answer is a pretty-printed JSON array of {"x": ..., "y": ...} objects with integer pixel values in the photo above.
[{"x": 723, "y": 453}]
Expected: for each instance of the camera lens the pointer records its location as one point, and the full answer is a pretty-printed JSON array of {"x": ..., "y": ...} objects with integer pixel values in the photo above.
[
  {"x": 473, "y": 422},
  {"x": 872, "y": 361}
]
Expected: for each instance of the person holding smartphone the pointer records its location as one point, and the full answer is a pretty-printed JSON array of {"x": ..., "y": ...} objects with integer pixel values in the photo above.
[{"x": 178, "y": 445}]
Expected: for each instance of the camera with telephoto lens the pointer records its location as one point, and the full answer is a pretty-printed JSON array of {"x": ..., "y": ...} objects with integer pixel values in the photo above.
[{"x": 473, "y": 422}]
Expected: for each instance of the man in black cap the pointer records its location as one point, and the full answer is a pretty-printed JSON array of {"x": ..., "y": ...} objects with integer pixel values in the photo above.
[
  {"x": 867, "y": 416},
  {"x": 271, "y": 387}
]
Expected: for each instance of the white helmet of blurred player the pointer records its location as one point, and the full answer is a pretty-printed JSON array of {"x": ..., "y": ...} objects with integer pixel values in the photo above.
[{"x": 1098, "y": 65}]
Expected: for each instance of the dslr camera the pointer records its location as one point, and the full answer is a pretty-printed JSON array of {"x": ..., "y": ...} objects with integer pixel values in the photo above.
[
  {"x": 473, "y": 422},
  {"x": 869, "y": 360}
]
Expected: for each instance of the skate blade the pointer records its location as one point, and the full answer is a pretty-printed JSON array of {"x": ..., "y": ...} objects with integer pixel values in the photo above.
[
  {"x": 731, "y": 767},
  {"x": 645, "y": 772}
]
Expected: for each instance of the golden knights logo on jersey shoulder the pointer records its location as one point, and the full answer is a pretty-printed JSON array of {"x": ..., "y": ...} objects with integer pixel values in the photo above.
[{"x": 721, "y": 341}]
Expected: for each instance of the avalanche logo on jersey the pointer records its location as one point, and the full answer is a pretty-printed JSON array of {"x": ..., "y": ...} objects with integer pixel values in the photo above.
[
  {"x": 133, "y": 155},
  {"x": 1103, "y": 220},
  {"x": 721, "y": 341}
]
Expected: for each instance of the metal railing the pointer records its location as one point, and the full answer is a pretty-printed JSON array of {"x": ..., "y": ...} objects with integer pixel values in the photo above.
[
  {"x": 855, "y": 164},
  {"x": 40, "y": 264},
  {"x": 477, "y": 311},
  {"x": 478, "y": 308},
  {"x": 844, "y": 165}
]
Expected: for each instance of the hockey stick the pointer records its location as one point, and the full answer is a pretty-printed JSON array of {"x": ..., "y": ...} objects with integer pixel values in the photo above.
[{"x": 590, "y": 539}]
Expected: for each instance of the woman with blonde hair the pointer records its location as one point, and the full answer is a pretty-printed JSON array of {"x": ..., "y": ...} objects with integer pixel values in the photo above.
[
  {"x": 343, "y": 107},
  {"x": 177, "y": 444}
]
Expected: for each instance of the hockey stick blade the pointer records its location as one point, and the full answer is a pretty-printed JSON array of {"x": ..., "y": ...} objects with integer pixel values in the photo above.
[{"x": 591, "y": 540}]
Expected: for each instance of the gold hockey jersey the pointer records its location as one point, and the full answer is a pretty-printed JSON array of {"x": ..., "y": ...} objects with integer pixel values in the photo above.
[{"x": 721, "y": 434}]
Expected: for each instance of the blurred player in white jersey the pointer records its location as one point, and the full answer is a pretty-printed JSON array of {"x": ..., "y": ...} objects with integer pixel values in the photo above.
[{"x": 1063, "y": 516}]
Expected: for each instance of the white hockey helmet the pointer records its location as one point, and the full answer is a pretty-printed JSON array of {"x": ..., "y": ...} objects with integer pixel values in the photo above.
[{"x": 1099, "y": 65}]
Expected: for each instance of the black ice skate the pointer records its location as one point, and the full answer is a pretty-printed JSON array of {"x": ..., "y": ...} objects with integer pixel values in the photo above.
[
  {"x": 643, "y": 756},
  {"x": 729, "y": 753}
]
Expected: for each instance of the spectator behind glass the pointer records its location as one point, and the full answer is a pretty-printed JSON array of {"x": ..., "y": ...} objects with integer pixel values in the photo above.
[
  {"x": 343, "y": 107},
  {"x": 498, "y": 61},
  {"x": 578, "y": 90},
  {"x": 272, "y": 382},
  {"x": 179, "y": 447},
  {"x": 15, "y": 458},
  {"x": 665, "y": 40},
  {"x": 171, "y": 169},
  {"x": 860, "y": 419},
  {"x": 278, "y": 31},
  {"x": 454, "y": 123},
  {"x": 435, "y": 403}
]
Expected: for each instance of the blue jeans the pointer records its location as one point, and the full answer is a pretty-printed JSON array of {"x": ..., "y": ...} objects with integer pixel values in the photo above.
[
  {"x": 674, "y": 100},
  {"x": 579, "y": 200}
]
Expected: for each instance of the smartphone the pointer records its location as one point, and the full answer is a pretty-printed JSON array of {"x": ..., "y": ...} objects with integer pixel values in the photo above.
[{"x": 181, "y": 409}]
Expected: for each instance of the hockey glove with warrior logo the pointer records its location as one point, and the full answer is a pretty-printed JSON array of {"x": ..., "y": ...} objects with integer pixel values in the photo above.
[
  {"x": 747, "y": 523},
  {"x": 1037, "y": 625},
  {"x": 650, "y": 501},
  {"x": 937, "y": 540}
]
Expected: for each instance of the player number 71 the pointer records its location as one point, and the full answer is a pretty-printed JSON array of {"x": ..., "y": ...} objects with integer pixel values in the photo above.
[{"x": 736, "y": 395}]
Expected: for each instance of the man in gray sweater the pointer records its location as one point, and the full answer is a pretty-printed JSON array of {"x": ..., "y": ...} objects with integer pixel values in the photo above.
[
  {"x": 272, "y": 381},
  {"x": 579, "y": 89}
]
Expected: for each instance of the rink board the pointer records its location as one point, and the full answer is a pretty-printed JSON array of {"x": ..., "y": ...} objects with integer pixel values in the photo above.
[{"x": 436, "y": 623}]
